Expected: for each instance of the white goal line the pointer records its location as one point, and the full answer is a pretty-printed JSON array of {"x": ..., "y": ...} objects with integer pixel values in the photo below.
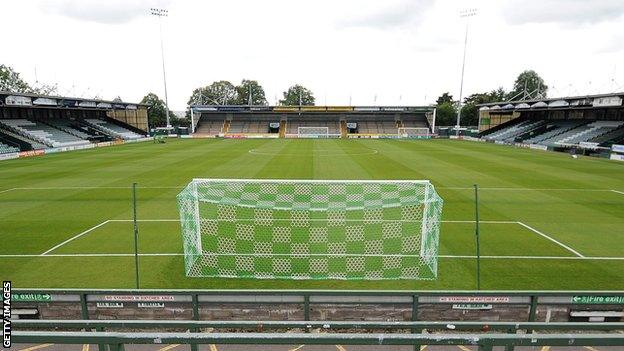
[
  {"x": 568, "y": 248},
  {"x": 319, "y": 180},
  {"x": 174, "y": 254}
]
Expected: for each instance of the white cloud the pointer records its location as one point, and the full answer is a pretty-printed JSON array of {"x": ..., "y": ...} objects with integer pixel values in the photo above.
[
  {"x": 106, "y": 12},
  {"x": 393, "y": 14},
  {"x": 562, "y": 11}
]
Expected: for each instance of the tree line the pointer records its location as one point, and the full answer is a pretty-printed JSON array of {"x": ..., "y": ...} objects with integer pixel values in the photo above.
[
  {"x": 528, "y": 85},
  {"x": 248, "y": 92}
]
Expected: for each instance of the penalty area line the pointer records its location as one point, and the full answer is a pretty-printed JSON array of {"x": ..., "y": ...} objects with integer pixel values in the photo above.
[
  {"x": 174, "y": 254},
  {"x": 617, "y": 191},
  {"x": 7, "y": 190},
  {"x": 74, "y": 237},
  {"x": 551, "y": 239}
]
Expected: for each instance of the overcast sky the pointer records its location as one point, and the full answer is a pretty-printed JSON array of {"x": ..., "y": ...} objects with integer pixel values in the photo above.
[{"x": 387, "y": 52}]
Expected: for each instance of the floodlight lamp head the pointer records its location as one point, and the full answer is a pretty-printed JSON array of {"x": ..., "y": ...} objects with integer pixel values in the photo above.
[
  {"x": 159, "y": 12},
  {"x": 468, "y": 13}
]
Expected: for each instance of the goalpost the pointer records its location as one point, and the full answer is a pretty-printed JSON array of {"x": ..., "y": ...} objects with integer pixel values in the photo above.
[
  {"x": 313, "y": 132},
  {"x": 413, "y": 132},
  {"x": 310, "y": 229}
]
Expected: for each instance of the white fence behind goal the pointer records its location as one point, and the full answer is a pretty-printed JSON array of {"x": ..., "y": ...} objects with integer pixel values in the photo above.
[
  {"x": 405, "y": 132},
  {"x": 313, "y": 132},
  {"x": 310, "y": 229}
]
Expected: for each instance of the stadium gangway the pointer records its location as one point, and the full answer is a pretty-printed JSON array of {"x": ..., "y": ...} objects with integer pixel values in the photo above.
[
  {"x": 485, "y": 342},
  {"x": 399, "y": 328}
]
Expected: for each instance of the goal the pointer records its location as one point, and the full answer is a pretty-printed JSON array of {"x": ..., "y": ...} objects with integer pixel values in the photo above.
[
  {"x": 313, "y": 132},
  {"x": 405, "y": 132},
  {"x": 310, "y": 229}
]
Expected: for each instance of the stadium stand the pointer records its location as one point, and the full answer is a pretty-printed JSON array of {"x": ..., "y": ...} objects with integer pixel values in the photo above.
[
  {"x": 24, "y": 143},
  {"x": 240, "y": 120},
  {"x": 615, "y": 136},
  {"x": 210, "y": 125},
  {"x": 588, "y": 132},
  {"x": 514, "y": 130},
  {"x": 112, "y": 130},
  {"x": 43, "y": 133},
  {"x": 69, "y": 126},
  {"x": 7, "y": 149},
  {"x": 554, "y": 129},
  {"x": 590, "y": 123}
]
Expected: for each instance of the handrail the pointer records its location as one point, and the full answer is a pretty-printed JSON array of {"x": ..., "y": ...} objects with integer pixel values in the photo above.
[{"x": 446, "y": 325}]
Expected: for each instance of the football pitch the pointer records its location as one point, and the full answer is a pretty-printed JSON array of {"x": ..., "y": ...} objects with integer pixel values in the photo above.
[{"x": 547, "y": 221}]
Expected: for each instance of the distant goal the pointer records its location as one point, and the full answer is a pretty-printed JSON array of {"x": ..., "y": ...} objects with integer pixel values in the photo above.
[
  {"x": 313, "y": 132},
  {"x": 310, "y": 229},
  {"x": 413, "y": 133}
]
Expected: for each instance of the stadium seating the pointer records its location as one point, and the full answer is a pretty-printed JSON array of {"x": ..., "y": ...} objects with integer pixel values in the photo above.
[
  {"x": 210, "y": 126},
  {"x": 27, "y": 143},
  {"x": 43, "y": 133},
  {"x": 7, "y": 149},
  {"x": 69, "y": 126},
  {"x": 615, "y": 136},
  {"x": 588, "y": 132},
  {"x": 554, "y": 129},
  {"x": 509, "y": 133},
  {"x": 112, "y": 130}
]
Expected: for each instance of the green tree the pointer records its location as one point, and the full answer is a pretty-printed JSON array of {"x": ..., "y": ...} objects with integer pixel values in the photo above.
[
  {"x": 156, "y": 115},
  {"x": 247, "y": 88},
  {"x": 11, "y": 81},
  {"x": 470, "y": 110},
  {"x": 297, "y": 95},
  {"x": 217, "y": 93},
  {"x": 446, "y": 114},
  {"x": 528, "y": 85},
  {"x": 445, "y": 98}
]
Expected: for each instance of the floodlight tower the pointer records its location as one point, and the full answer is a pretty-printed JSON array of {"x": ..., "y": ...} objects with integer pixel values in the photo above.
[
  {"x": 463, "y": 14},
  {"x": 160, "y": 13}
]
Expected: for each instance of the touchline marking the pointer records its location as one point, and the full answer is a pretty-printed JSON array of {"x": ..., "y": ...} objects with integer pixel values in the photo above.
[
  {"x": 551, "y": 239},
  {"x": 74, "y": 237},
  {"x": 617, "y": 191}
]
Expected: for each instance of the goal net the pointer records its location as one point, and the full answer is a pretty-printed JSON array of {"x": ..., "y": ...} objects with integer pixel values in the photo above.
[
  {"x": 405, "y": 132},
  {"x": 313, "y": 132},
  {"x": 310, "y": 229}
]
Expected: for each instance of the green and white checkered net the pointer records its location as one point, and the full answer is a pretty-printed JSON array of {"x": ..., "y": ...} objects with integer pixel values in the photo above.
[{"x": 304, "y": 229}]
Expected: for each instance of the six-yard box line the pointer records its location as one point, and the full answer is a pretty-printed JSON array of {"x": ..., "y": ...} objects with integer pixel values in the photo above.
[{"x": 577, "y": 255}]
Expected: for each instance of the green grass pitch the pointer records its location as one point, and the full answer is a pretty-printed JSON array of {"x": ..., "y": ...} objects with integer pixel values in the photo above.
[{"x": 549, "y": 221}]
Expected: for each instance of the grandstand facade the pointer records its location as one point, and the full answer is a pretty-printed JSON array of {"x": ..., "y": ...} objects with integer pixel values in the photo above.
[
  {"x": 293, "y": 121},
  {"x": 30, "y": 122},
  {"x": 592, "y": 122}
]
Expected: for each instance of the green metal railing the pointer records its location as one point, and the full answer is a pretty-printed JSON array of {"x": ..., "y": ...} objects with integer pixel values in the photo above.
[
  {"x": 485, "y": 342},
  {"x": 308, "y": 298}
]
